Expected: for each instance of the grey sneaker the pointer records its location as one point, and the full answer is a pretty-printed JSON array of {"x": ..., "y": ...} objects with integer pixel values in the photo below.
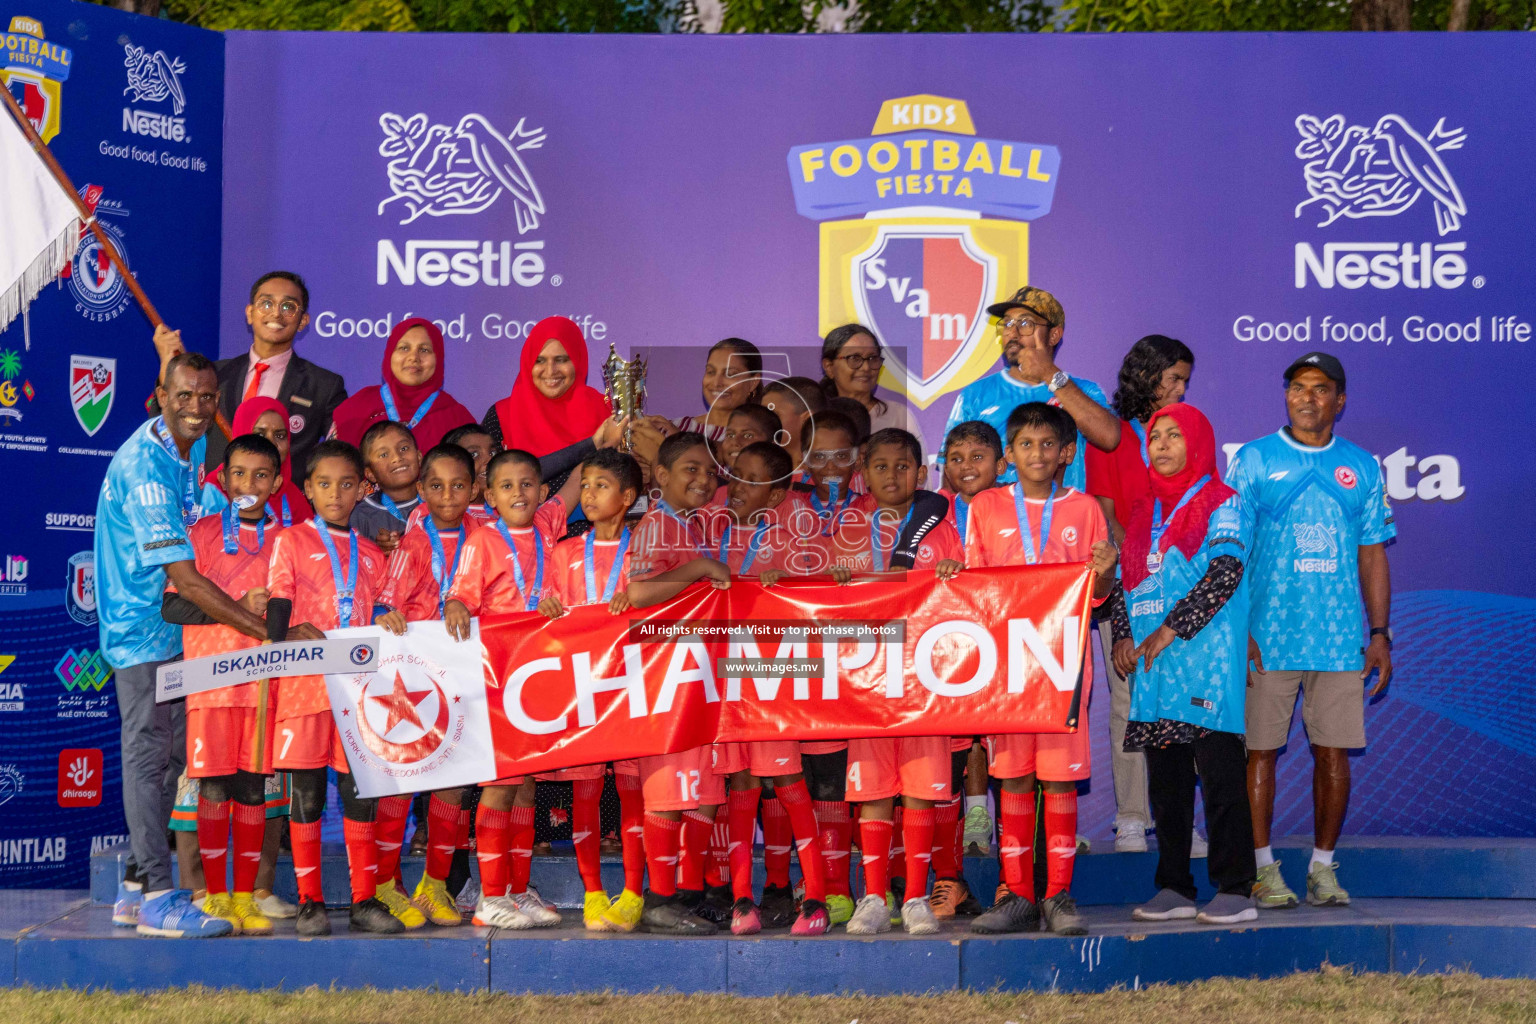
[
  {"x": 1271, "y": 892},
  {"x": 1131, "y": 837},
  {"x": 1198, "y": 847},
  {"x": 1167, "y": 905},
  {"x": 870, "y": 917},
  {"x": 1061, "y": 916},
  {"x": 917, "y": 917},
  {"x": 1323, "y": 888},
  {"x": 978, "y": 832},
  {"x": 1228, "y": 908},
  {"x": 1011, "y": 913}
]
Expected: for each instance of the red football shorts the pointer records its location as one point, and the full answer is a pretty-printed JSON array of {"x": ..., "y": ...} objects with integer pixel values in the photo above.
[
  {"x": 222, "y": 741},
  {"x": 914, "y": 766},
  {"x": 308, "y": 741},
  {"x": 1050, "y": 756},
  {"x": 770, "y": 758},
  {"x": 578, "y": 774},
  {"x": 681, "y": 781}
]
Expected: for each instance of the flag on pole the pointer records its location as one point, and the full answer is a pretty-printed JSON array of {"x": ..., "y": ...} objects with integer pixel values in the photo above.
[{"x": 39, "y": 226}]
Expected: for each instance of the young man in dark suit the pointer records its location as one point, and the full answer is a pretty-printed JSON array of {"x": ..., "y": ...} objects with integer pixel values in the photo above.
[{"x": 278, "y": 311}]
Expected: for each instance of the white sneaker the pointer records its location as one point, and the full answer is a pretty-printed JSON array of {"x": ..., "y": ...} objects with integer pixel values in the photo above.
[
  {"x": 917, "y": 917},
  {"x": 469, "y": 896},
  {"x": 501, "y": 912},
  {"x": 870, "y": 917},
  {"x": 274, "y": 906},
  {"x": 1131, "y": 837},
  {"x": 534, "y": 892},
  {"x": 1198, "y": 847},
  {"x": 535, "y": 910}
]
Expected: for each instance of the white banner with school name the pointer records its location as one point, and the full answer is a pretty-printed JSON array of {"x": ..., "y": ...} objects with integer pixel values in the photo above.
[
  {"x": 418, "y": 719},
  {"x": 356, "y": 652}
]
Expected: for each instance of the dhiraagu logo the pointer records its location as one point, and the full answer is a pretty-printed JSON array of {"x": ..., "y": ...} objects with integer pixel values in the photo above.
[{"x": 924, "y": 224}]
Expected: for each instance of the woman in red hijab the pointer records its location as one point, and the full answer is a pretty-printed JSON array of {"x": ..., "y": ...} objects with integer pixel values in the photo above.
[
  {"x": 552, "y": 412},
  {"x": 410, "y": 390},
  {"x": 268, "y": 418}
]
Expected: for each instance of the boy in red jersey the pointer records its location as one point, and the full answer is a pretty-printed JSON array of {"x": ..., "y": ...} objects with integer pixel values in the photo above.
[
  {"x": 594, "y": 569},
  {"x": 1037, "y": 522},
  {"x": 421, "y": 571},
  {"x": 897, "y": 528},
  {"x": 669, "y": 553},
  {"x": 229, "y": 730},
  {"x": 325, "y": 574},
  {"x": 503, "y": 569}
]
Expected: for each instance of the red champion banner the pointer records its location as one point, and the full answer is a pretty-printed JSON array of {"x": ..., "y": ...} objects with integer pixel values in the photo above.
[{"x": 988, "y": 651}]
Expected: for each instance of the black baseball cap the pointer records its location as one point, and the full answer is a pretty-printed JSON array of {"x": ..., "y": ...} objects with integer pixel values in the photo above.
[{"x": 1331, "y": 367}]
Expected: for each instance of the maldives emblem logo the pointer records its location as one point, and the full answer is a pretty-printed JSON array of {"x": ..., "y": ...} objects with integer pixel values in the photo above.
[
  {"x": 923, "y": 225},
  {"x": 92, "y": 386}
]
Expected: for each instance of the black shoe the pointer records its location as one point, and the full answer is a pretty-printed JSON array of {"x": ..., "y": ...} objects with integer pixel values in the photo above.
[
  {"x": 664, "y": 915},
  {"x": 312, "y": 919},
  {"x": 777, "y": 907},
  {"x": 899, "y": 889},
  {"x": 371, "y": 915},
  {"x": 1061, "y": 916},
  {"x": 716, "y": 905},
  {"x": 1012, "y": 913},
  {"x": 970, "y": 906}
]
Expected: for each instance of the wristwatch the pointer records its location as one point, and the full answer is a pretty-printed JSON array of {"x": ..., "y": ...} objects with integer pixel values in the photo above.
[
  {"x": 1385, "y": 631},
  {"x": 1058, "y": 381}
]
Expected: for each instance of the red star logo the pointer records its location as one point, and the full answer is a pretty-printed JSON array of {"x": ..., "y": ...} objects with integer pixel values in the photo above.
[{"x": 402, "y": 704}]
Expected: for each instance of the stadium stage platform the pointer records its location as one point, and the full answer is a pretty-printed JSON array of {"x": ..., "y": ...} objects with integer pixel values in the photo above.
[{"x": 1419, "y": 905}]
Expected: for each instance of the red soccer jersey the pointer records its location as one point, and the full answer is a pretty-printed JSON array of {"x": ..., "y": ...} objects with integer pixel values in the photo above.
[
  {"x": 235, "y": 574},
  {"x": 487, "y": 579},
  {"x": 1077, "y": 523},
  {"x": 301, "y": 571},
  {"x": 569, "y": 570},
  {"x": 410, "y": 584},
  {"x": 664, "y": 541},
  {"x": 1120, "y": 475},
  {"x": 548, "y": 519},
  {"x": 852, "y": 543}
]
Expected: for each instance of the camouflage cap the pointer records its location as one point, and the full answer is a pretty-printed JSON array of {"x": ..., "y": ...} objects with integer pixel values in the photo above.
[{"x": 1037, "y": 300}]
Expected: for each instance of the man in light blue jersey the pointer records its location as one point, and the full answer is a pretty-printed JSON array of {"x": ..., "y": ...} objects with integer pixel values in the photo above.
[
  {"x": 150, "y": 496},
  {"x": 1030, "y": 330},
  {"x": 1320, "y": 525}
]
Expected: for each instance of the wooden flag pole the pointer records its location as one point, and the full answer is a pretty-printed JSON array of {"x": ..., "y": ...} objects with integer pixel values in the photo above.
[{"x": 88, "y": 218}]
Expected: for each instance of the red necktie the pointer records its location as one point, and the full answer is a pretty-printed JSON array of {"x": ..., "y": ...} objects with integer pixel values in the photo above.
[{"x": 253, "y": 388}]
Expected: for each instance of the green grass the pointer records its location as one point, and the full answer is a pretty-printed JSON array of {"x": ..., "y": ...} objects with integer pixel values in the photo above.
[{"x": 1330, "y": 996}]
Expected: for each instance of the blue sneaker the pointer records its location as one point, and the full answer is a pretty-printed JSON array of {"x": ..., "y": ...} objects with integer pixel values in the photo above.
[
  {"x": 125, "y": 912},
  {"x": 174, "y": 917}
]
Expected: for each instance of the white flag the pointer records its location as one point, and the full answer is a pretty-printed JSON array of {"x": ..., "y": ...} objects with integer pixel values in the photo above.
[
  {"x": 39, "y": 227},
  {"x": 419, "y": 721}
]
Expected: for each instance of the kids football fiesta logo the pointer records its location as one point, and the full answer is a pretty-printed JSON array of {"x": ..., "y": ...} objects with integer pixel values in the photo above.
[
  {"x": 923, "y": 226},
  {"x": 35, "y": 70}
]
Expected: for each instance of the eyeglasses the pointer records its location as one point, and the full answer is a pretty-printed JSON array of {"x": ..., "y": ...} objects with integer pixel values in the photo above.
[
  {"x": 837, "y": 457},
  {"x": 1022, "y": 324},
  {"x": 857, "y": 361},
  {"x": 285, "y": 309}
]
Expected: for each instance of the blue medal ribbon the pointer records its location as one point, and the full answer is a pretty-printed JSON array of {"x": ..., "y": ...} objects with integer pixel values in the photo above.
[
  {"x": 231, "y": 517},
  {"x": 688, "y": 530},
  {"x": 393, "y": 509},
  {"x": 1160, "y": 525},
  {"x": 287, "y": 516},
  {"x": 962, "y": 514},
  {"x": 876, "y": 552},
  {"x": 345, "y": 590},
  {"x": 393, "y": 412},
  {"x": 530, "y": 598},
  {"x": 440, "y": 559},
  {"x": 189, "y": 506},
  {"x": 752, "y": 546},
  {"x": 614, "y": 571},
  {"x": 1032, "y": 553}
]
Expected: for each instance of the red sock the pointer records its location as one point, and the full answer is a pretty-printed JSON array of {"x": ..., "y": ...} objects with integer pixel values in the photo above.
[
  {"x": 836, "y": 838},
  {"x": 1016, "y": 815},
  {"x": 777, "y": 838},
  {"x": 519, "y": 849},
  {"x": 742, "y": 813},
  {"x": 305, "y": 839},
  {"x": 466, "y": 816},
  {"x": 717, "y": 863},
  {"x": 796, "y": 801},
  {"x": 661, "y": 840},
  {"x": 917, "y": 837},
  {"x": 1060, "y": 841},
  {"x": 493, "y": 831},
  {"x": 362, "y": 858},
  {"x": 586, "y": 823},
  {"x": 213, "y": 842},
  {"x": 442, "y": 837},
  {"x": 632, "y": 830},
  {"x": 389, "y": 833},
  {"x": 897, "y": 861},
  {"x": 696, "y": 837},
  {"x": 249, "y": 825},
  {"x": 945, "y": 817},
  {"x": 875, "y": 842}
]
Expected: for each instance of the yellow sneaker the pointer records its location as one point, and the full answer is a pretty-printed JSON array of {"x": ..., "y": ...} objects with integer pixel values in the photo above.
[
  {"x": 624, "y": 914},
  {"x": 593, "y": 909},
  {"x": 432, "y": 899},
  {"x": 219, "y": 905},
  {"x": 252, "y": 920},
  {"x": 403, "y": 909}
]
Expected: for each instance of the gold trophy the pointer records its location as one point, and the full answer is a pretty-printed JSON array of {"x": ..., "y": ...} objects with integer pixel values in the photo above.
[{"x": 624, "y": 384}]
